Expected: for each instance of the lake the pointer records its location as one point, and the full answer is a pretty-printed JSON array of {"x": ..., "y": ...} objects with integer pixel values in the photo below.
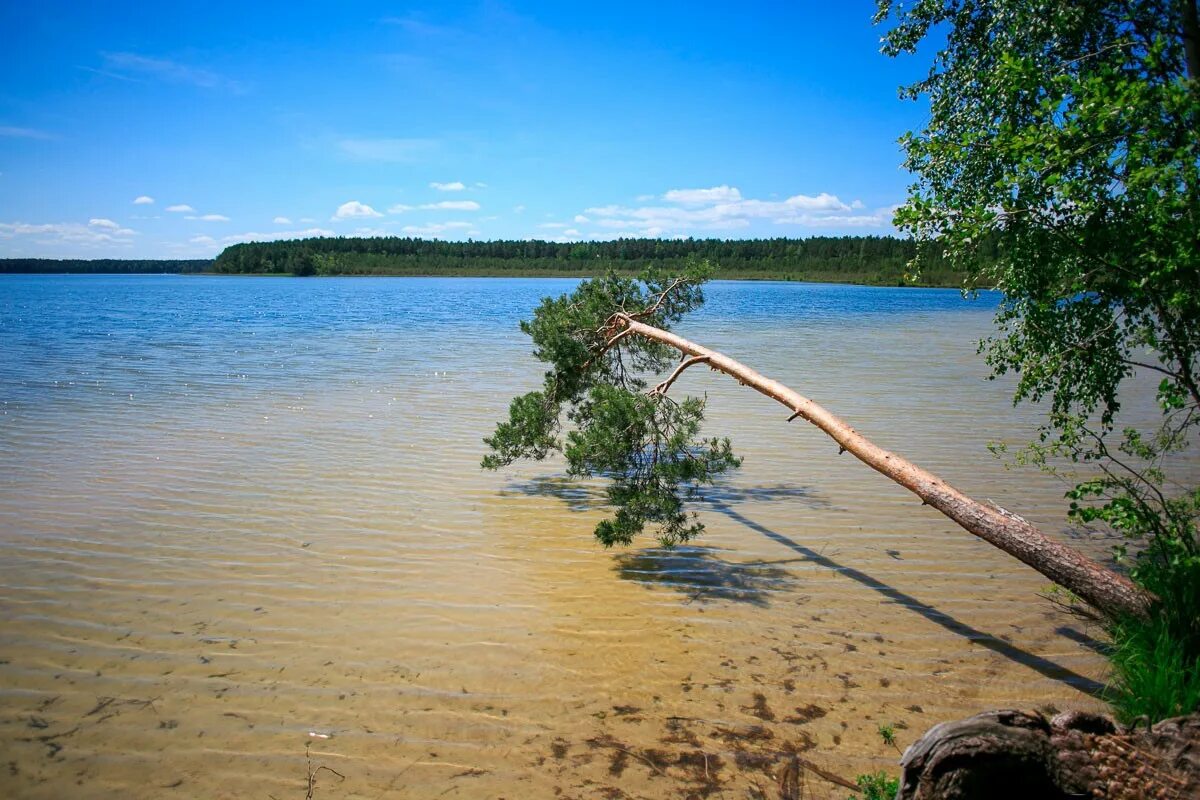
[{"x": 244, "y": 536}]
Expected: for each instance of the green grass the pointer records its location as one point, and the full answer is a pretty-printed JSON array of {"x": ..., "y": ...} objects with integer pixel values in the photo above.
[
  {"x": 1153, "y": 675},
  {"x": 876, "y": 786}
]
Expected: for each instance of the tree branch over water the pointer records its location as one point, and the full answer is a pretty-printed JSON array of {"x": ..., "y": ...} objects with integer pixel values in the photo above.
[{"x": 610, "y": 332}]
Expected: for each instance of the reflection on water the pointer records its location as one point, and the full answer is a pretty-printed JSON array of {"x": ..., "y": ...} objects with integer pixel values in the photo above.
[{"x": 243, "y": 534}]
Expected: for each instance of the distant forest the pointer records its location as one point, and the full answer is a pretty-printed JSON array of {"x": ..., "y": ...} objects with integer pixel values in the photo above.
[
  {"x": 876, "y": 260},
  {"x": 880, "y": 260},
  {"x": 104, "y": 265}
]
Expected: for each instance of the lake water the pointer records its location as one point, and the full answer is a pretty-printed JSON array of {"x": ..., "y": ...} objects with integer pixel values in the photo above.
[{"x": 238, "y": 512}]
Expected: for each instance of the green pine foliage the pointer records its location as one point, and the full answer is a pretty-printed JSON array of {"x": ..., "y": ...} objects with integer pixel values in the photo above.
[
  {"x": 98, "y": 266},
  {"x": 646, "y": 444}
]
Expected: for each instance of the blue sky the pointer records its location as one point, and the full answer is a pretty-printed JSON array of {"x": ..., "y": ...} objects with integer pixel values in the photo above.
[{"x": 166, "y": 130}]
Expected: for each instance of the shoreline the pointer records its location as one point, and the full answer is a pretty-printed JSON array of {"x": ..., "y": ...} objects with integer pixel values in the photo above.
[{"x": 720, "y": 276}]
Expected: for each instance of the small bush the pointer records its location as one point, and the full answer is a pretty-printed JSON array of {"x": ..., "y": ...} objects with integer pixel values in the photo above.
[{"x": 876, "y": 786}]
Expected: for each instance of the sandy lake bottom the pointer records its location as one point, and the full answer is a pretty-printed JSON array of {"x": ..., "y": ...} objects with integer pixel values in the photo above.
[{"x": 244, "y": 535}]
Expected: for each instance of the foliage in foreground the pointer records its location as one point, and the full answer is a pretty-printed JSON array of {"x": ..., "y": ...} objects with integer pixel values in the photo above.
[
  {"x": 646, "y": 443},
  {"x": 876, "y": 786},
  {"x": 1063, "y": 135}
]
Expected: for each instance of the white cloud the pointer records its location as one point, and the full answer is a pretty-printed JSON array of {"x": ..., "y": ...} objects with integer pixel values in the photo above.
[
  {"x": 354, "y": 209},
  {"x": 518, "y": 209},
  {"x": 444, "y": 205},
  {"x": 453, "y": 186},
  {"x": 453, "y": 205},
  {"x": 404, "y": 151},
  {"x": 724, "y": 208},
  {"x": 438, "y": 228},
  {"x": 208, "y": 217},
  {"x": 181, "y": 208},
  {"x": 570, "y": 232},
  {"x": 717, "y": 194},
  {"x": 282, "y": 221},
  {"x": 143, "y": 200},
  {"x": 480, "y": 185},
  {"x": 256, "y": 236},
  {"x": 96, "y": 232}
]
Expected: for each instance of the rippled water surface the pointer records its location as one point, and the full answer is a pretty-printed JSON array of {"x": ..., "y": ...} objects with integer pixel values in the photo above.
[{"x": 244, "y": 535}]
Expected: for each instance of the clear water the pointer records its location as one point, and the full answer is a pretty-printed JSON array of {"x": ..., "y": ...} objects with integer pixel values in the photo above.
[{"x": 238, "y": 512}]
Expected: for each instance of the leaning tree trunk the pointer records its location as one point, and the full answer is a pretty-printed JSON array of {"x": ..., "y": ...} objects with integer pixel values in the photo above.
[{"x": 1110, "y": 593}]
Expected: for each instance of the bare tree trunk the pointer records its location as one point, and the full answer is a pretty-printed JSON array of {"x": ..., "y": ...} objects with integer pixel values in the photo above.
[
  {"x": 1110, "y": 593},
  {"x": 1191, "y": 38}
]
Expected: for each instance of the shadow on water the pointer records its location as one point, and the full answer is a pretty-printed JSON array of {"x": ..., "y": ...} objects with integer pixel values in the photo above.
[
  {"x": 703, "y": 575},
  {"x": 1097, "y": 646},
  {"x": 580, "y": 496},
  {"x": 577, "y": 495},
  {"x": 804, "y": 495},
  {"x": 1039, "y": 664}
]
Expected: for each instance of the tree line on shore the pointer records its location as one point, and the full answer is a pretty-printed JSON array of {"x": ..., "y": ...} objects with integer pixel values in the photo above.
[
  {"x": 883, "y": 260},
  {"x": 97, "y": 266}
]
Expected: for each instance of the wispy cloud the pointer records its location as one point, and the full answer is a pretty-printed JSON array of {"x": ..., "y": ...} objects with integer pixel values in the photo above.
[
  {"x": 124, "y": 64},
  {"x": 307, "y": 233},
  {"x": 209, "y": 217},
  {"x": 181, "y": 208},
  {"x": 96, "y": 232},
  {"x": 437, "y": 229},
  {"x": 443, "y": 205},
  {"x": 15, "y": 132},
  {"x": 212, "y": 242},
  {"x": 143, "y": 200},
  {"x": 454, "y": 205},
  {"x": 452, "y": 186},
  {"x": 421, "y": 28},
  {"x": 400, "y": 151},
  {"x": 717, "y": 194},
  {"x": 282, "y": 221},
  {"x": 354, "y": 209}
]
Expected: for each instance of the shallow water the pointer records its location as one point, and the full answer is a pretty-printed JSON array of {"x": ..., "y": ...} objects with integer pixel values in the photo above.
[{"x": 238, "y": 512}]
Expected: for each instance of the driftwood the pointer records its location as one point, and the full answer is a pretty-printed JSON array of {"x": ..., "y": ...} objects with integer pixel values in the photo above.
[
  {"x": 1007, "y": 754},
  {"x": 1109, "y": 592}
]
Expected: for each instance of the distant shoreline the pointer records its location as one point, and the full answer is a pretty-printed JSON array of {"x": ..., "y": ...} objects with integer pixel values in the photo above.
[
  {"x": 855, "y": 260},
  {"x": 840, "y": 279},
  {"x": 138, "y": 267}
]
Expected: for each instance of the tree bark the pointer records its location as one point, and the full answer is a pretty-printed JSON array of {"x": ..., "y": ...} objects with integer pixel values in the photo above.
[
  {"x": 1112, "y": 594},
  {"x": 998, "y": 755},
  {"x": 1191, "y": 38}
]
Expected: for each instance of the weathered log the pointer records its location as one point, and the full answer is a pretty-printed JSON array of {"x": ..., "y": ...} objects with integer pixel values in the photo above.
[
  {"x": 1005, "y": 754},
  {"x": 1107, "y": 591}
]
